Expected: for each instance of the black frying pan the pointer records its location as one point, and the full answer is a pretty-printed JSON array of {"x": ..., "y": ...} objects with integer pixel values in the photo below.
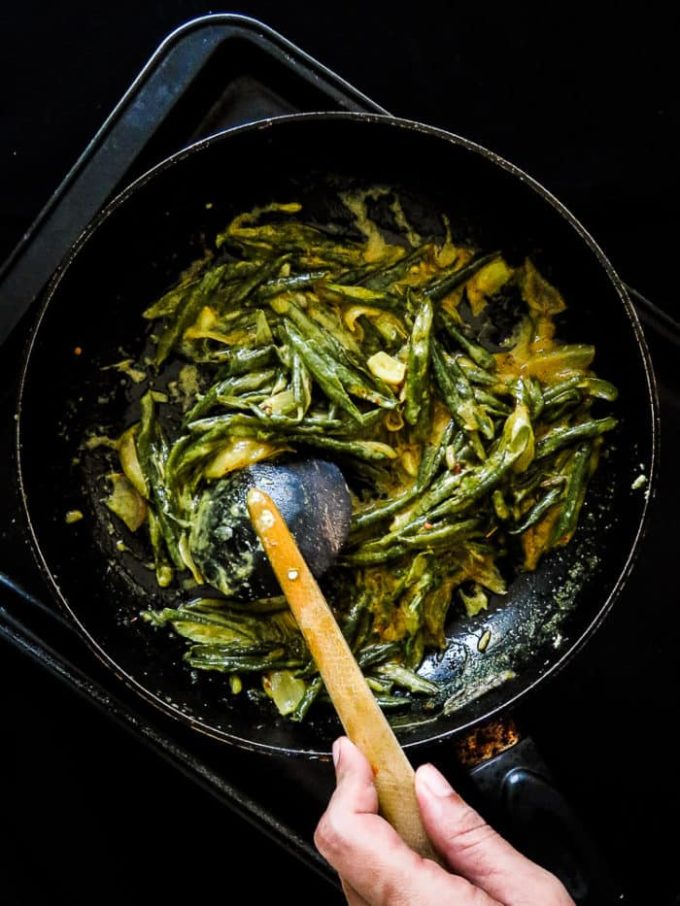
[{"x": 136, "y": 249}]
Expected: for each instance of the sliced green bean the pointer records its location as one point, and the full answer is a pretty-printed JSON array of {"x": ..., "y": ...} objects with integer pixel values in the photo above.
[
  {"x": 151, "y": 460},
  {"x": 382, "y": 278},
  {"x": 368, "y": 450},
  {"x": 407, "y": 679},
  {"x": 565, "y": 435},
  {"x": 538, "y": 510},
  {"x": 574, "y": 495},
  {"x": 364, "y": 518},
  {"x": 417, "y": 395},
  {"x": 324, "y": 371},
  {"x": 459, "y": 395},
  {"x": 244, "y": 290},
  {"x": 271, "y": 288},
  {"x": 314, "y": 687},
  {"x": 245, "y": 359},
  {"x": 326, "y": 345},
  {"x": 433, "y": 456},
  {"x": 453, "y": 277},
  {"x": 232, "y": 386},
  {"x": 445, "y": 534},
  {"x": 477, "y": 353},
  {"x": 201, "y": 295},
  {"x": 372, "y": 655}
]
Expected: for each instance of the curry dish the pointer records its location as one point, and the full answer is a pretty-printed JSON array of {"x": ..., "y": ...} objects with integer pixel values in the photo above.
[{"x": 429, "y": 371}]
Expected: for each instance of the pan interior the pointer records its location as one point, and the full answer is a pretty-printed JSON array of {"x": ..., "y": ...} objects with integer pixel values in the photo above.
[{"x": 92, "y": 319}]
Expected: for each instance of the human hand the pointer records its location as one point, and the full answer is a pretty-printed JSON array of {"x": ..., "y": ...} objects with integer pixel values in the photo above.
[{"x": 378, "y": 869}]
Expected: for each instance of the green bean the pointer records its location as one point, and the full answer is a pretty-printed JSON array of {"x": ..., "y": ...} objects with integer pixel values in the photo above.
[
  {"x": 535, "y": 398},
  {"x": 406, "y": 678},
  {"x": 445, "y": 534},
  {"x": 476, "y": 482},
  {"x": 352, "y": 619},
  {"x": 459, "y": 395},
  {"x": 364, "y": 518},
  {"x": 490, "y": 402},
  {"x": 598, "y": 388},
  {"x": 162, "y": 567},
  {"x": 554, "y": 390},
  {"x": 417, "y": 395},
  {"x": 375, "y": 556},
  {"x": 453, "y": 277},
  {"x": 360, "y": 295},
  {"x": 169, "y": 302},
  {"x": 271, "y": 288},
  {"x": 342, "y": 345},
  {"x": 302, "y": 385},
  {"x": 372, "y": 655},
  {"x": 223, "y": 422},
  {"x": 477, "y": 353},
  {"x": 243, "y": 403},
  {"x": 478, "y": 375},
  {"x": 560, "y": 405},
  {"x": 574, "y": 494},
  {"x": 392, "y": 702},
  {"x": 245, "y": 288},
  {"x": 500, "y": 507},
  {"x": 368, "y": 450},
  {"x": 383, "y": 277},
  {"x": 326, "y": 343},
  {"x": 538, "y": 510},
  {"x": 324, "y": 371},
  {"x": 411, "y": 606},
  {"x": 442, "y": 488},
  {"x": 564, "y": 435},
  {"x": 233, "y": 386},
  {"x": 151, "y": 460},
  {"x": 200, "y": 295},
  {"x": 326, "y": 337},
  {"x": 462, "y": 410},
  {"x": 243, "y": 360},
  {"x": 432, "y": 457},
  {"x": 230, "y": 607},
  {"x": 238, "y": 659},
  {"x": 310, "y": 695}
]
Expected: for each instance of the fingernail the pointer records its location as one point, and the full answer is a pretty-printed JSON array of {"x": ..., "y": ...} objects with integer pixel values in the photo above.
[
  {"x": 435, "y": 782},
  {"x": 337, "y": 751}
]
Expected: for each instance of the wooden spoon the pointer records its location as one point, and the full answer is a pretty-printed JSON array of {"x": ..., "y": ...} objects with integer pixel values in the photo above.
[{"x": 359, "y": 713}]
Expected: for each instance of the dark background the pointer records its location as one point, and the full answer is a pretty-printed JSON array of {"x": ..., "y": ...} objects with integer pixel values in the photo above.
[{"x": 586, "y": 101}]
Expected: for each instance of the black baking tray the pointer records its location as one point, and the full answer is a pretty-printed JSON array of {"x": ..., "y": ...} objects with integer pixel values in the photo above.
[{"x": 213, "y": 73}]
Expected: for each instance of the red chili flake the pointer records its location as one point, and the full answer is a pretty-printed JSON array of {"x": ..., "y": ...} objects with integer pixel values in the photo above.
[
  {"x": 457, "y": 468},
  {"x": 427, "y": 525}
]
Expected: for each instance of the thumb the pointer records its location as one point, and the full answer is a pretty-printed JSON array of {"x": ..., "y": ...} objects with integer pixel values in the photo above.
[{"x": 474, "y": 850}]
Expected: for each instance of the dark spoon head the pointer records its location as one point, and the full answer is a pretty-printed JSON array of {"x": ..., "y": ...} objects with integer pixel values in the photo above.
[{"x": 314, "y": 500}]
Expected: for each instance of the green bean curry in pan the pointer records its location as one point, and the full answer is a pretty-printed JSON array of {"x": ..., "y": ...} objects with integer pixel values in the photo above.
[{"x": 465, "y": 465}]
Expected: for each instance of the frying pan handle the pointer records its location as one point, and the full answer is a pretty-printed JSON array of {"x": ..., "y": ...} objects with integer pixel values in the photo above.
[{"x": 536, "y": 818}]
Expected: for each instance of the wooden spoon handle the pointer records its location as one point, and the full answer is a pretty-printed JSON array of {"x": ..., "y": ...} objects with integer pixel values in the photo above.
[{"x": 364, "y": 722}]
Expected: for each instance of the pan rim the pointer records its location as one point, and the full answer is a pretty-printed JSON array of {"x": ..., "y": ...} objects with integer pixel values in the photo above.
[{"x": 409, "y": 125}]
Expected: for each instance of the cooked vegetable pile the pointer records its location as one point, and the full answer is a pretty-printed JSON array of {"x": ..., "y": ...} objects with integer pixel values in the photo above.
[{"x": 463, "y": 455}]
